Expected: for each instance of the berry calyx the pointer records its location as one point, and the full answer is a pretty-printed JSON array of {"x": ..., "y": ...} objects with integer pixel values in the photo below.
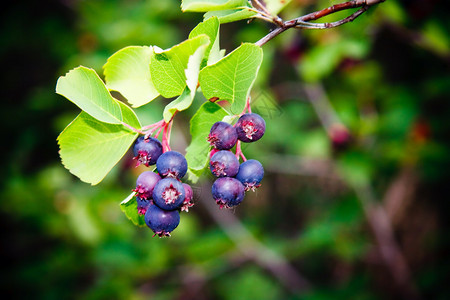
[
  {"x": 250, "y": 174},
  {"x": 171, "y": 164},
  {"x": 169, "y": 194},
  {"x": 161, "y": 222},
  {"x": 227, "y": 192},
  {"x": 147, "y": 150},
  {"x": 222, "y": 136},
  {"x": 189, "y": 196},
  {"x": 224, "y": 164},
  {"x": 250, "y": 127},
  {"x": 145, "y": 184},
  {"x": 142, "y": 205}
]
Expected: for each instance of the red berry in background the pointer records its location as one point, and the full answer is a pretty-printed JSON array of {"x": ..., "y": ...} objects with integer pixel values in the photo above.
[
  {"x": 250, "y": 127},
  {"x": 340, "y": 137}
]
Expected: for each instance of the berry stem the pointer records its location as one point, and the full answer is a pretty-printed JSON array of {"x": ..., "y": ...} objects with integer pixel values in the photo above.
[
  {"x": 159, "y": 131},
  {"x": 160, "y": 126},
  {"x": 153, "y": 127},
  {"x": 157, "y": 125},
  {"x": 132, "y": 128},
  {"x": 165, "y": 138},
  {"x": 169, "y": 131},
  {"x": 239, "y": 151},
  {"x": 248, "y": 106}
]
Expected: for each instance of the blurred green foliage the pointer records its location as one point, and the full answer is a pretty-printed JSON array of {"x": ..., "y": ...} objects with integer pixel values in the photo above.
[{"x": 385, "y": 80}]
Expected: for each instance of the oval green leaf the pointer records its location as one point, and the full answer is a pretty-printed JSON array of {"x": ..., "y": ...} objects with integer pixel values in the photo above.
[
  {"x": 84, "y": 87},
  {"x": 128, "y": 72},
  {"x": 167, "y": 68},
  {"x": 232, "y": 77},
  {"x": 129, "y": 208},
  {"x": 230, "y": 15},
  {"x": 89, "y": 149},
  {"x": 200, "y": 125},
  {"x": 207, "y": 5}
]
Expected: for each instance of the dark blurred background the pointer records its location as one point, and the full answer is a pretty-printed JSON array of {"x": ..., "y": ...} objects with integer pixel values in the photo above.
[{"x": 354, "y": 203}]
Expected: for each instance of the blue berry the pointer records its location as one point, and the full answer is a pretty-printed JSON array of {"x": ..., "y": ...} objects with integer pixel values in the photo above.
[
  {"x": 251, "y": 172},
  {"x": 188, "y": 197},
  {"x": 250, "y": 127},
  {"x": 224, "y": 164},
  {"x": 145, "y": 184},
  {"x": 227, "y": 192},
  {"x": 161, "y": 222},
  {"x": 169, "y": 194},
  {"x": 146, "y": 151},
  {"x": 142, "y": 205},
  {"x": 222, "y": 136},
  {"x": 171, "y": 164}
]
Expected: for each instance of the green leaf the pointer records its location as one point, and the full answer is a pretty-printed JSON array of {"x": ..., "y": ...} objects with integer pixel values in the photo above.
[
  {"x": 185, "y": 99},
  {"x": 84, "y": 87},
  {"x": 210, "y": 27},
  {"x": 237, "y": 14},
  {"x": 232, "y": 77},
  {"x": 193, "y": 68},
  {"x": 200, "y": 125},
  {"x": 129, "y": 116},
  {"x": 230, "y": 15},
  {"x": 207, "y": 5},
  {"x": 128, "y": 72},
  {"x": 90, "y": 148},
  {"x": 181, "y": 103},
  {"x": 167, "y": 68},
  {"x": 129, "y": 208}
]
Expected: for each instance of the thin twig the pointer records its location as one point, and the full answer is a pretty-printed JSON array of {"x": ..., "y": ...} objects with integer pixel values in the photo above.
[
  {"x": 376, "y": 215},
  {"x": 303, "y": 21},
  {"x": 262, "y": 8},
  {"x": 321, "y": 104},
  {"x": 348, "y": 19},
  {"x": 388, "y": 247},
  {"x": 265, "y": 12}
]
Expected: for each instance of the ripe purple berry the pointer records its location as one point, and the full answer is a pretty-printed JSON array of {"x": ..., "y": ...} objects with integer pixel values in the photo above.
[
  {"x": 188, "y": 197},
  {"x": 222, "y": 136},
  {"x": 142, "y": 205},
  {"x": 227, "y": 192},
  {"x": 168, "y": 194},
  {"x": 250, "y": 127},
  {"x": 146, "y": 151},
  {"x": 161, "y": 222},
  {"x": 145, "y": 184},
  {"x": 224, "y": 164},
  {"x": 171, "y": 164},
  {"x": 251, "y": 172}
]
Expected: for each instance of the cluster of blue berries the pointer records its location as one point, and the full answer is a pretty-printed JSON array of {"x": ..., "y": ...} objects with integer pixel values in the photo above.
[
  {"x": 234, "y": 179},
  {"x": 160, "y": 196}
]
